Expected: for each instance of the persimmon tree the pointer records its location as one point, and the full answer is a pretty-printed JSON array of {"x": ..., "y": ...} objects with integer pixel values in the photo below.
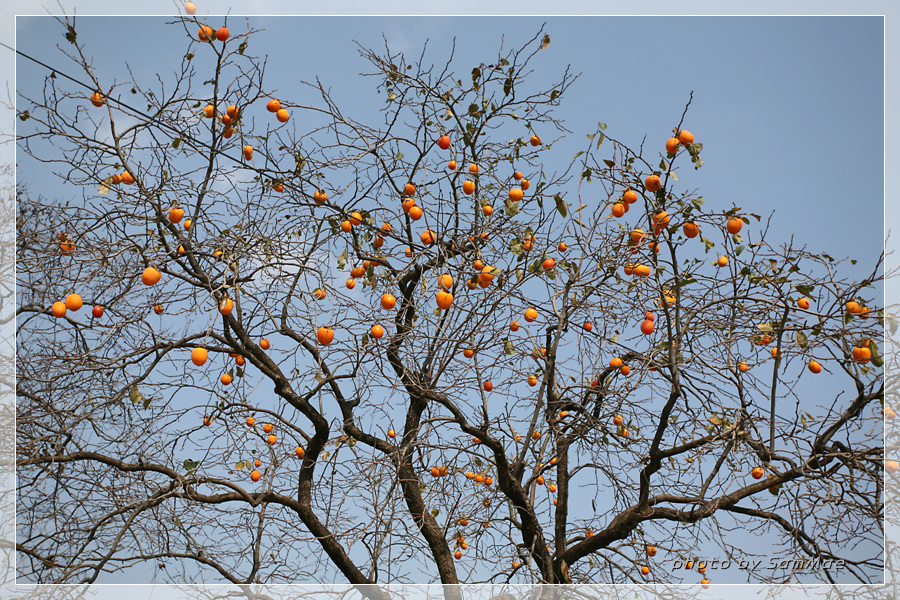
[{"x": 420, "y": 348}]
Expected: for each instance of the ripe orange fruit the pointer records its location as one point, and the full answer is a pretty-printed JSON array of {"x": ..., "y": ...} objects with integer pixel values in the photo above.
[
  {"x": 734, "y": 225},
  {"x": 672, "y": 145},
  {"x": 536, "y": 435},
  {"x": 705, "y": 583},
  {"x": 209, "y": 111},
  {"x": 531, "y": 314},
  {"x": 685, "y": 137},
  {"x": 58, "y": 309},
  {"x": 630, "y": 196},
  {"x": 645, "y": 570},
  {"x": 273, "y": 106},
  {"x": 618, "y": 420},
  {"x": 150, "y": 276},
  {"x": 468, "y": 187},
  {"x": 158, "y": 309},
  {"x": 562, "y": 247},
  {"x": 660, "y": 221},
  {"x": 814, "y": 366},
  {"x": 535, "y": 140},
  {"x": 97, "y": 99},
  {"x": 487, "y": 481},
  {"x": 457, "y": 555},
  {"x": 265, "y": 344},
  {"x": 892, "y": 465},
  {"x": 443, "y": 142},
  {"x": 355, "y": 218},
  {"x": 226, "y": 306},
  {"x": 774, "y": 352},
  {"x": 757, "y": 473},
  {"x": 647, "y": 327},
  {"x": 409, "y": 190},
  {"x": 206, "y": 34},
  {"x": 300, "y": 452},
  {"x": 548, "y": 264},
  {"x": 651, "y": 550},
  {"x": 691, "y": 229},
  {"x": 239, "y": 360},
  {"x": 636, "y": 236},
  {"x": 722, "y": 261},
  {"x": 268, "y": 428},
  {"x": 653, "y": 183},
  {"x": 257, "y": 463},
  {"x": 255, "y": 475},
  {"x": 126, "y": 177},
  {"x": 853, "y": 307},
  {"x": 516, "y": 194},
  {"x": 319, "y": 293},
  {"x": 228, "y": 133},
  {"x": 642, "y": 270},
  {"x": 427, "y": 237},
  {"x": 473, "y": 168},
  {"x": 282, "y": 115},
  {"x": 97, "y": 311},
  {"x": 278, "y": 187},
  {"x": 415, "y": 213},
  {"x": 346, "y": 226},
  {"x": 618, "y": 210},
  {"x": 540, "y": 480},
  {"x": 377, "y": 331},
  {"x": 199, "y": 356},
  {"x": 388, "y": 301},
  {"x": 514, "y": 326},
  {"x": 469, "y": 352},
  {"x": 479, "y": 266},
  {"x": 176, "y": 214},
  {"x": 222, "y": 34},
  {"x": 862, "y": 355},
  {"x": 226, "y": 379},
  {"x": 487, "y": 209},
  {"x": 272, "y": 439},
  {"x": 525, "y": 184},
  {"x": 532, "y": 380},
  {"x": 392, "y": 434},
  {"x": 616, "y": 362},
  {"x": 743, "y": 366},
  {"x": 325, "y": 335},
  {"x": 250, "y": 423},
  {"x": 488, "y": 386},
  {"x": 588, "y": 325},
  {"x": 625, "y": 370},
  {"x": 444, "y": 300},
  {"x": 74, "y": 302},
  {"x": 248, "y": 152}
]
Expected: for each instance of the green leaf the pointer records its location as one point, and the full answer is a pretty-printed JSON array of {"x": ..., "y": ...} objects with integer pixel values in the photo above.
[
  {"x": 805, "y": 289},
  {"x": 609, "y": 163},
  {"x": 239, "y": 466},
  {"x": 507, "y": 88},
  {"x": 190, "y": 465},
  {"x": 602, "y": 126},
  {"x": 509, "y": 348},
  {"x": 520, "y": 275},
  {"x": 135, "y": 395},
  {"x": 877, "y": 360},
  {"x": 698, "y": 202},
  {"x": 767, "y": 327},
  {"x": 515, "y": 246},
  {"x": 242, "y": 47},
  {"x": 716, "y": 420},
  {"x": 801, "y": 339},
  {"x": 561, "y": 205},
  {"x": 512, "y": 208},
  {"x": 71, "y": 35},
  {"x": 342, "y": 260},
  {"x": 176, "y": 142},
  {"x": 738, "y": 250}
]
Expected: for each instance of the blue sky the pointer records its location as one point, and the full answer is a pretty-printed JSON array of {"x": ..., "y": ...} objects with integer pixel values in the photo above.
[{"x": 789, "y": 109}]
